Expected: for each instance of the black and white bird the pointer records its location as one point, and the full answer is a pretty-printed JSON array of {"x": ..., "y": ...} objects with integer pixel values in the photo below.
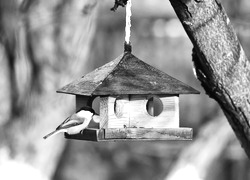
[{"x": 75, "y": 123}]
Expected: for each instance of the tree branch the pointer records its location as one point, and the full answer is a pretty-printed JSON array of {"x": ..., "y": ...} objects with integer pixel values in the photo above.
[{"x": 220, "y": 61}]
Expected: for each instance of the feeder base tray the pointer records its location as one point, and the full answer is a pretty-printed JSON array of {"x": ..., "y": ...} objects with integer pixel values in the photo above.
[{"x": 133, "y": 134}]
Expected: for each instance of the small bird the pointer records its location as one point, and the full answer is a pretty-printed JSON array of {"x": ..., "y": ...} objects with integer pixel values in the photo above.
[{"x": 75, "y": 123}]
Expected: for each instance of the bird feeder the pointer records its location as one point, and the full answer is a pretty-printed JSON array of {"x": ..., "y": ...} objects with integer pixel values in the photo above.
[{"x": 136, "y": 101}]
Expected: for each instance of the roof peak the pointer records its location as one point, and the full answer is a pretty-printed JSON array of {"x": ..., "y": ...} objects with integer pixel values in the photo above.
[{"x": 127, "y": 75}]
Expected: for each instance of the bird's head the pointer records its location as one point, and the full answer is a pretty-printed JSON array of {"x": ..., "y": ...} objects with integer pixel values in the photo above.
[{"x": 86, "y": 112}]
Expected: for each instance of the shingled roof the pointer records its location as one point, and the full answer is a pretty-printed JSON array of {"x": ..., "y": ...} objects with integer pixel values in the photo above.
[{"x": 127, "y": 75}]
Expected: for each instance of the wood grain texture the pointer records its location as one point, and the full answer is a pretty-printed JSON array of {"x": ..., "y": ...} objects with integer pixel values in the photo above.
[
  {"x": 131, "y": 111},
  {"x": 139, "y": 117},
  {"x": 114, "y": 112},
  {"x": 127, "y": 75},
  {"x": 220, "y": 61},
  {"x": 149, "y": 133},
  {"x": 104, "y": 114},
  {"x": 133, "y": 134}
]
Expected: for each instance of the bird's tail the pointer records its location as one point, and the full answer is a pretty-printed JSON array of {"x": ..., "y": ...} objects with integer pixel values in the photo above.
[{"x": 53, "y": 133}]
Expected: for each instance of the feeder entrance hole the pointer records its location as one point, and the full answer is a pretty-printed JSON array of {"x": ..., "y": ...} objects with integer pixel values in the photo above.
[{"x": 154, "y": 106}]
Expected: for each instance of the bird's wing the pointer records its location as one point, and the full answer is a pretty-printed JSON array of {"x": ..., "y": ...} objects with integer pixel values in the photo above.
[
  {"x": 72, "y": 120},
  {"x": 69, "y": 124},
  {"x": 64, "y": 122}
]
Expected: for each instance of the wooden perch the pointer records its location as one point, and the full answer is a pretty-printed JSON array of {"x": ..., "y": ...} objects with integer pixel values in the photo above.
[{"x": 220, "y": 62}]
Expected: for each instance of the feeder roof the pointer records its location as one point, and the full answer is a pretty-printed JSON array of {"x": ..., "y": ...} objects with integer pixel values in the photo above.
[{"x": 127, "y": 75}]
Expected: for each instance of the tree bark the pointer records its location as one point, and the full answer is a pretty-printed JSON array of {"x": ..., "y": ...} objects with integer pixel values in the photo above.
[{"x": 220, "y": 62}]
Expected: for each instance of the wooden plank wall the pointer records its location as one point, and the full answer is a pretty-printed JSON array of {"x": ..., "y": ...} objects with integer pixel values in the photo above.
[{"x": 131, "y": 111}]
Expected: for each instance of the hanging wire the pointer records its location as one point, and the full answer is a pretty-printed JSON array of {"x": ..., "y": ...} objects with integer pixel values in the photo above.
[{"x": 127, "y": 44}]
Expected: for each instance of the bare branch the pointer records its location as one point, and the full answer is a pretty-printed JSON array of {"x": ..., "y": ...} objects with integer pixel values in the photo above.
[{"x": 220, "y": 61}]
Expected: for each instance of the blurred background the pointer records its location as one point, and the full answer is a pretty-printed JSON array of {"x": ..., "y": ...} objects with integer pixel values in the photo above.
[{"x": 48, "y": 44}]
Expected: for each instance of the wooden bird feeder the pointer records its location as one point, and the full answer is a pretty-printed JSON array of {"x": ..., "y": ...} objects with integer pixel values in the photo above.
[{"x": 136, "y": 100}]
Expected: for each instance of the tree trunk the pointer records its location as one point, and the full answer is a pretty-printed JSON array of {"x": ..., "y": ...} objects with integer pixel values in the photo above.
[{"x": 220, "y": 62}]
